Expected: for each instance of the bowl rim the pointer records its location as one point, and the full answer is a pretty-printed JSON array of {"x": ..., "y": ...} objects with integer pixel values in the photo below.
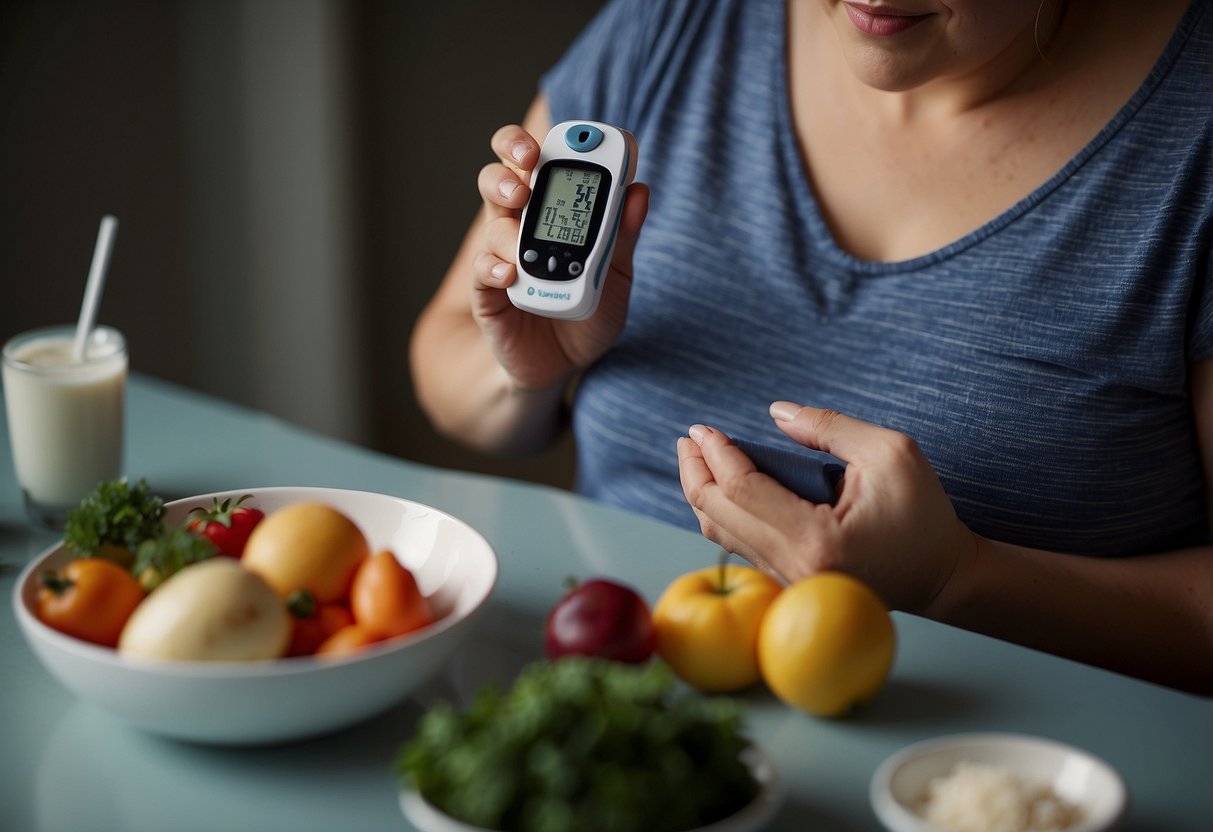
[
  {"x": 895, "y": 815},
  {"x": 284, "y": 666},
  {"x": 754, "y": 815}
]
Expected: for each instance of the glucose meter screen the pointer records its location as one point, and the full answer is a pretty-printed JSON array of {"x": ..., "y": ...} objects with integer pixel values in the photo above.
[{"x": 568, "y": 204}]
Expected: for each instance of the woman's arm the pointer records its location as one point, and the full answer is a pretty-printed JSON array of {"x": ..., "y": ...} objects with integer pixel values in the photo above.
[
  {"x": 459, "y": 382},
  {"x": 485, "y": 372},
  {"x": 1148, "y": 616}
]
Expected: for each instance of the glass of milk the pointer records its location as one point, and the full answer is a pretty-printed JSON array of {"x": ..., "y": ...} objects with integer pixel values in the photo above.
[{"x": 65, "y": 417}]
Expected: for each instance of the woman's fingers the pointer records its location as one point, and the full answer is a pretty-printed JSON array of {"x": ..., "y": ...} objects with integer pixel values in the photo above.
[
  {"x": 760, "y": 495},
  {"x": 696, "y": 479},
  {"x": 516, "y": 148},
  {"x": 894, "y": 458},
  {"x": 750, "y": 506},
  {"x": 504, "y": 185},
  {"x": 504, "y": 192},
  {"x": 836, "y": 433},
  {"x": 501, "y": 240},
  {"x": 493, "y": 267},
  {"x": 491, "y": 272}
]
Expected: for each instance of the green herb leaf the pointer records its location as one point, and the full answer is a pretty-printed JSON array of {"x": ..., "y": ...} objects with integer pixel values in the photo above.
[
  {"x": 115, "y": 513},
  {"x": 158, "y": 559}
]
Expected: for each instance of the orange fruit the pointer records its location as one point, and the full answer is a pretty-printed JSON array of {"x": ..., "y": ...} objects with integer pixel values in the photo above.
[
  {"x": 349, "y": 639},
  {"x": 826, "y": 644},
  {"x": 309, "y": 546},
  {"x": 385, "y": 597}
]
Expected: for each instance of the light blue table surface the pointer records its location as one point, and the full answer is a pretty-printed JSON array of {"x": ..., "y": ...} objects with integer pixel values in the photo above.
[{"x": 65, "y": 765}]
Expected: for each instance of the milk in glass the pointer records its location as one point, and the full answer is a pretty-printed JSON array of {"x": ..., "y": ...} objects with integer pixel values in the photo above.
[{"x": 65, "y": 417}]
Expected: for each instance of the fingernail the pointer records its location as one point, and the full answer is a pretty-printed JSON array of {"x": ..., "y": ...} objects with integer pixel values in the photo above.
[
  {"x": 507, "y": 188},
  {"x": 784, "y": 411},
  {"x": 500, "y": 271},
  {"x": 697, "y": 432},
  {"x": 519, "y": 150}
]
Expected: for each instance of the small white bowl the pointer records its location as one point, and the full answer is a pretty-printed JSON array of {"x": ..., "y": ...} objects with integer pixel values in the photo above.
[
  {"x": 753, "y": 816},
  {"x": 900, "y": 782},
  {"x": 245, "y": 703}
]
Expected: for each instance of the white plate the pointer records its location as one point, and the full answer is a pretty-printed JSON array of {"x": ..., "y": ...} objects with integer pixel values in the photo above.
[
  {"x": 756, "y": 815},
  {"x": 900, "y": 782}
]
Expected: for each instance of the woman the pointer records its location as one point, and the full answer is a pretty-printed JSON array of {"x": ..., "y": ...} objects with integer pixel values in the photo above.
[{"x": 980, "y": 229}]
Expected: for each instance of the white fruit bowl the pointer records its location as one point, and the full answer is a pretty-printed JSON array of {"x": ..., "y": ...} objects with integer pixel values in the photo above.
[{"x": 245, "y": 703}]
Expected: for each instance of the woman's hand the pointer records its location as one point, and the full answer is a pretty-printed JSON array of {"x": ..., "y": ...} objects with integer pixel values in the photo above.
[
  {"x": 893, "y": 527},
  {"x": 538, "y": 352}
]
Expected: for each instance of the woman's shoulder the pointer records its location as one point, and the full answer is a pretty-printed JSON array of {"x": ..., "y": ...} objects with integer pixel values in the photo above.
[
  {"x": 1164, "y": 133},
  {"x": 1183, "y": 76}
]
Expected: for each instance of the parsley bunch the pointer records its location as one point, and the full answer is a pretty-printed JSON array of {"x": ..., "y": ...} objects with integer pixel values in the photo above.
[
  {"x": 584, "y": 744},
  {"x": 116, "y": 513}
]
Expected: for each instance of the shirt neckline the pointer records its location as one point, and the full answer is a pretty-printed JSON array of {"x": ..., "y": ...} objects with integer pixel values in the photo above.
[{"x": 824, "y": 238}]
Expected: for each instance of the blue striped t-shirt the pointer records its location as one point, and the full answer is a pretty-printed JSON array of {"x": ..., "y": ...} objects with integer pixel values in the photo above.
[{"x": 1041, "y": 362}]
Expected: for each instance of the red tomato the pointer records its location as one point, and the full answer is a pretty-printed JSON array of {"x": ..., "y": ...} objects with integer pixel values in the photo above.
[
  {"x": 312, "y": 623},
  {"x": 90, "y": 598},
  {"x": 227, "y": 524},
  {"x": 601, "y": 618}
]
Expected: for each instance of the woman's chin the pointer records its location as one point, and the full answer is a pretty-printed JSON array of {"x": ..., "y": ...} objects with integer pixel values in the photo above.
[{"x": 874, "y": 67}]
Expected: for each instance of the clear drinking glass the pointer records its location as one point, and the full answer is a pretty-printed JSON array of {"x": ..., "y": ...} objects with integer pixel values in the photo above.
[{"x": 65, "y": 417}]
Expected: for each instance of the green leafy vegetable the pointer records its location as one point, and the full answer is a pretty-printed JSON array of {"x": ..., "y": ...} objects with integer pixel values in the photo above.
[
  {"x": 584, "y": 744},
  {"x": 117, "y": 514},
  {"x": 161, "y": 557}
]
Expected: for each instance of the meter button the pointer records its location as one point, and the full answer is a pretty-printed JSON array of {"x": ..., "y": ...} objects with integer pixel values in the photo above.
[
  {"x": 575, "y": 268},
  {"x": 583, "y": 138},
  {"x": 530, "y": 255},
  {"x": 552, "y": 264}
]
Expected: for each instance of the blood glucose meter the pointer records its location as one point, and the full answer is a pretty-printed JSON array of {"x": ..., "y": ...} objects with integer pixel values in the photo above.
[{"x": 569, "y": 224}]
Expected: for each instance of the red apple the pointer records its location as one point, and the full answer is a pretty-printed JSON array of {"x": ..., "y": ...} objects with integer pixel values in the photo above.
[{"x": 601, "y": 618}]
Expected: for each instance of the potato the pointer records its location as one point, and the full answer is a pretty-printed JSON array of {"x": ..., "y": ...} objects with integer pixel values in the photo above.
[{"x": 215, "y": 610}]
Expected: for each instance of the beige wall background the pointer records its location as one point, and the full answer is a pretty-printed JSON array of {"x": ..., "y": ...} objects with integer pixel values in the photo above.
[{"x": 291, "y": 179}]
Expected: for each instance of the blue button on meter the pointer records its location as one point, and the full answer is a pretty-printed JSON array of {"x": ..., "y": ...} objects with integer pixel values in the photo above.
[{"x": 583, "y": 137}]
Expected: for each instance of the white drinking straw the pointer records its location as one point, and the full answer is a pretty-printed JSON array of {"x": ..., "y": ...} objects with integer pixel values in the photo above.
[{"x": 95, "y": 285}]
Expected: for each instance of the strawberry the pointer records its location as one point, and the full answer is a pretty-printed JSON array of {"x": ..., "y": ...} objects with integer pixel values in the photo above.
[{"x": 226, "y": 523}]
